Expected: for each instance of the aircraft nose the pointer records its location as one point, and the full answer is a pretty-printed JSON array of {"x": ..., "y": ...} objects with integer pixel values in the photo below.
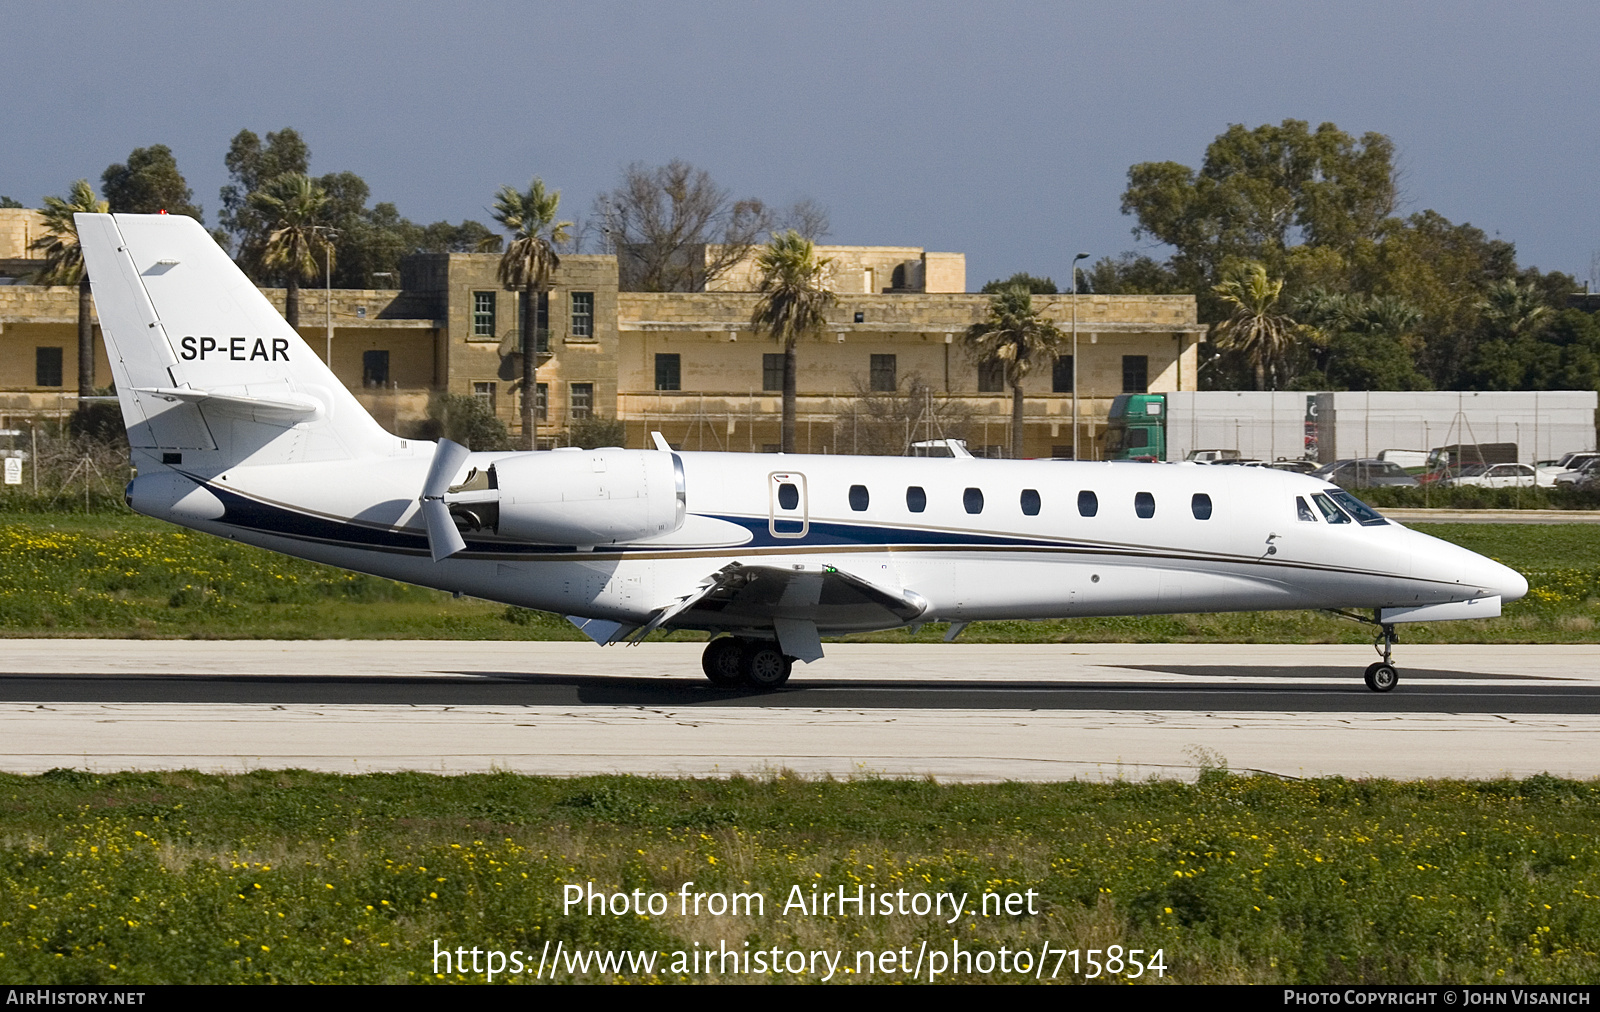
[
  {"x": 1449, "y": 563},
  {"x": 1503, "y": 580}
]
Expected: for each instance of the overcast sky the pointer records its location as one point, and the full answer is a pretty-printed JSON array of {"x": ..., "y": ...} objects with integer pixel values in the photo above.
[{"x": 1001, "y": 130}]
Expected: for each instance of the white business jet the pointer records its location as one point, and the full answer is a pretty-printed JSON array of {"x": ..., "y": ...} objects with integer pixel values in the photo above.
[{"x": 239, "y": 430}]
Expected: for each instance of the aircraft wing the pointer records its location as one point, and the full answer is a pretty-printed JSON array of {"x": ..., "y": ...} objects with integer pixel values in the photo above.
[{"x": 794, "y": 601}]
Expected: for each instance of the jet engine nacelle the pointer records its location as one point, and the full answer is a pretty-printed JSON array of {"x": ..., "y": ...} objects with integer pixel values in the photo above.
[{"x": 588, "y": 497}]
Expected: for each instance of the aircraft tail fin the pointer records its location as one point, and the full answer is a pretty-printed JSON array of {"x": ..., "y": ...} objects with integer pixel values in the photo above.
[{"x": 204, "y": 365}]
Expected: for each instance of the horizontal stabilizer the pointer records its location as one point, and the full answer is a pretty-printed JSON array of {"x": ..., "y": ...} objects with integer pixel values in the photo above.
[{"x": 285, "y": 407}]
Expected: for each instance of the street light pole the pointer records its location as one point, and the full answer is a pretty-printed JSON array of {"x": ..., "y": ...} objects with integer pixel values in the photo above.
[{"x": 1080, "y": 256}]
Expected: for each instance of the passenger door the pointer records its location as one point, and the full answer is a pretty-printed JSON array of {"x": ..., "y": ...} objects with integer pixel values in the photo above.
[{"x": 787, "y": 515}]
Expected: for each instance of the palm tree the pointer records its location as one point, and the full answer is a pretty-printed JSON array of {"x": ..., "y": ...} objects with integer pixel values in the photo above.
[
  {"x": 1013, "y": 338},
  {"x": 63, "y": 265},
  {"x": 297, "y": 243},
  {"x": 1254, "y": 328},
  {"x": 794, "y": 303},
  {"x": 526, "y": 266},
  {"x": 1513, "y": 309}
]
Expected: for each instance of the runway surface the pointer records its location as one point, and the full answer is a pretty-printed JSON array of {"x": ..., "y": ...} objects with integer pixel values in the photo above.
[{"x": 953, "y": 711}]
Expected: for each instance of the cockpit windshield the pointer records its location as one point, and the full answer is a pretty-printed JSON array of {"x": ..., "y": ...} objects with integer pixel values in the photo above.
[{"x": 1365, "y": 515}]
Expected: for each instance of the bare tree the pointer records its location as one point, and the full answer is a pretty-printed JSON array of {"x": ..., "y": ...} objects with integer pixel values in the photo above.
[
  {"x": 674, "y": 229},
  {"x": 886, "y": 423},
  {"x": 807, "y": 217}
]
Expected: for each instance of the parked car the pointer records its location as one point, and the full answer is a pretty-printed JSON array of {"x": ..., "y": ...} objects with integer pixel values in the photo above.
[
  {"x": 1296, "y": 466},
  {"x": 1212, "y": 456},
  {"x": 1365, "y": 472},
  {"x": 1495, "y": 476},
  {"x": 1580, "y": 478}
]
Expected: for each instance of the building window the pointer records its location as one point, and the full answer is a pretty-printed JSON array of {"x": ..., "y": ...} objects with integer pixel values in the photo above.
[
  {"x": 483, "y": 314},
  {"x": 668, "y": 372},
  {"x": 772, "y": 372},
  {"x": 883, "y": 373},
  {"x": 541, "y": 332},
  {"x": 47, "y": 367},
  {"x": 992, "y": 378},
  {"x": 374, "y": 368},
  {"x": 582, "y": 314},
  {"x": 1135, "y": 374},
  {"x": 1061, "y": 375},
  {"x": 582, "y": 400},
  {"x": 541, "y": 402},
  {"x": 485, "y": 393}
]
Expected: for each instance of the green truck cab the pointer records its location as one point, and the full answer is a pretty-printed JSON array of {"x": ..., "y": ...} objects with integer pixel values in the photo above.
[{"x": 1137, "y": 427}]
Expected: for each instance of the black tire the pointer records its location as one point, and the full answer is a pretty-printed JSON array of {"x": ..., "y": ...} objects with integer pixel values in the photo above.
[
  {"x": 724, "y": 663},
  {"x": 1382, "y": 677},
  {"x": 766, "y": 667}
]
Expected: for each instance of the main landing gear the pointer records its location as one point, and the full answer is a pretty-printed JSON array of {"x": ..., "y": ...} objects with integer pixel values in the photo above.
[{"x": 731, "y": 662}]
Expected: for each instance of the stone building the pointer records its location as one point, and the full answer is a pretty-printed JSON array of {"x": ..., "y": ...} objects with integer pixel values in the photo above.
[{"x": 687, "y": 364}]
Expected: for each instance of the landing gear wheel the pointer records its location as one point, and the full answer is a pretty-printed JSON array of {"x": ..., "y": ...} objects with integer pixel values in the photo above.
[
  {"x": 766, "y": 667},
  {"x": 724, "y": 662},
  {"x": 1382, "y": 677}
]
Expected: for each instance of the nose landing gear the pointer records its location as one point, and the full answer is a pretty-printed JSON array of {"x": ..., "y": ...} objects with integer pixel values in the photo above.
[
  {"x": 1381, "y": 675},
  {"x": 731, "y": 661}
]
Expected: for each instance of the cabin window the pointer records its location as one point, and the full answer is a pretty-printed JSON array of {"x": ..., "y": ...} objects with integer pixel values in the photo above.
[
  {"x": 1088, "y": 503},
  {"x": 1201, "y": 505},
  {"x": 788, "y": 496},
  {"x": 1144, "y": 504},
  {"x": 1330, "y": 512},
  {"x": 1303, "y": 510},
  {"x": 972, "y": 500},
  {"x": 858, "y": 498},
  {"x": 1030, "y": 502},
  {"x": 916, "y": 499}
]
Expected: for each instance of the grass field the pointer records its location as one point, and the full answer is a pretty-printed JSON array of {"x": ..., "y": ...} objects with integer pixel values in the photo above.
[
  {"x": 122, "y": 575},
  {"x": 299, "y": 877}
]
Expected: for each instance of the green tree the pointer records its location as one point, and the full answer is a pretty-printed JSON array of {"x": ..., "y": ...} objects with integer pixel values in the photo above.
[
  {"x": 1255, "y": 329},
  {"x": 149, "y": 184},
  {"x": 794, "y": 304},
  {"x": 1261, "y": 193},
  {"x": 297, "y": 243},
  {"x": 526, "y": 267},
  {"x": 1038, "y": 286},
  {"x": 1131, "y": 274},
  {"x": 63, "y": 265},
  {"x": 1014, "y": 338},
  {"x": 251, "y": 164},
  {"x": 7, "y": 203},
  {"x": 467, "y": 420}
]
